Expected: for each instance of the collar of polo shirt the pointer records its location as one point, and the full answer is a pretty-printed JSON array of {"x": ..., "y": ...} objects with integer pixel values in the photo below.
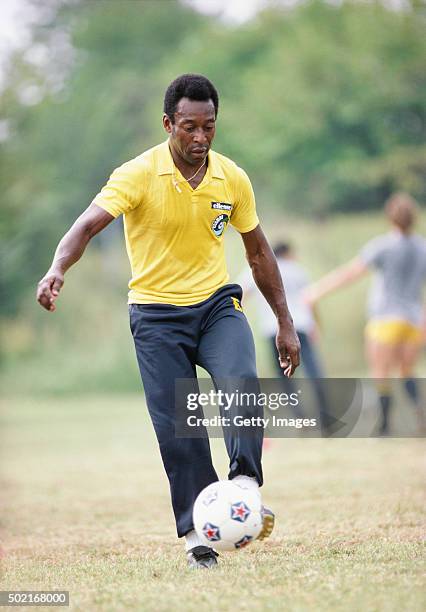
[{"x": 166, "y": 163}]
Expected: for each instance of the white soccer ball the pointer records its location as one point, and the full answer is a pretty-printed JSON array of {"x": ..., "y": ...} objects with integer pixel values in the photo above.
[{"x": 227, "y": 516}]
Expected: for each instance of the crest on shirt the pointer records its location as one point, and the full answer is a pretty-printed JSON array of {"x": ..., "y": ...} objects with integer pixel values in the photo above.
[
  {"x": 221, "y": 206},
  {"x": 219, "y": 224}
]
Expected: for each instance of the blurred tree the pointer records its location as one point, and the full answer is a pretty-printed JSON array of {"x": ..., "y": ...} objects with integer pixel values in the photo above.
[
  {"x": 63, "y": 148},
  {"x": 325, "y": 106}
]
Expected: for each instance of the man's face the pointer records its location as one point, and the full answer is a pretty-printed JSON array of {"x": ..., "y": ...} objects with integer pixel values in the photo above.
[{"x": 193, "y": 130}]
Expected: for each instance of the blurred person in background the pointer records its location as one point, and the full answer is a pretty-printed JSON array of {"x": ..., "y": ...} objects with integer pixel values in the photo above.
[
  {"x": 394, "y": 335},
  {"x": 296, "y": 280}
]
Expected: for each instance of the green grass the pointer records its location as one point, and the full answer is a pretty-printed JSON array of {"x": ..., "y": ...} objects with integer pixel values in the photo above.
[{"x": 85, "y": 507}]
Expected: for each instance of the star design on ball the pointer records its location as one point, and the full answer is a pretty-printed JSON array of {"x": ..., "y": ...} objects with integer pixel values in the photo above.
[
  {"x": 211, "y": 532},
  {"x": 243, "y": 542},
  {"x": 240, "y": 512}
]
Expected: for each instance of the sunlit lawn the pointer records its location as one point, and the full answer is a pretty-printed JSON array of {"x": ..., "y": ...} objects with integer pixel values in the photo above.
[{"x": 85, "y": 508}]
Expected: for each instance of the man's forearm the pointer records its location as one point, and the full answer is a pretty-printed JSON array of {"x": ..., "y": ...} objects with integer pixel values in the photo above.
[
  {"x": 71, "y": 247},
  {"x": 267, "y": 277},
  {"x": 73, "y": 244},
  {"x": 69, "y": 251}
]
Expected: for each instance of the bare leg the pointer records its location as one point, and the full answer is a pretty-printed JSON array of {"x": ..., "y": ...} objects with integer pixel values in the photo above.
[
  {"x": 409, "y": 355},
  {"x": 382, "y": 360}
]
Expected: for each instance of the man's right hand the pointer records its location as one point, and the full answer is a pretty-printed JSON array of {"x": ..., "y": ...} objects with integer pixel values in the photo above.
[{"x": 48, "y": 289}]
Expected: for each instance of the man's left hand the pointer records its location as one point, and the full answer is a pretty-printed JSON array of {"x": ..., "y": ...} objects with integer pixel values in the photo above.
[{"x": 288, "y": 346}]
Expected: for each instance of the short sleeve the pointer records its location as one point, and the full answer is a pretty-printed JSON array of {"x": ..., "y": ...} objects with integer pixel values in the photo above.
[
  {"x": 244, "y": 217},
  {"x": 373, "y": 252},
  {"x": 124, "y": 189}
]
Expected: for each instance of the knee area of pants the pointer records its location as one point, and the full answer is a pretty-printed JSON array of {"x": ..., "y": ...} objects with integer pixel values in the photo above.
[
  {"x": 236, "y": 371},
  {"x": 185, "y": 450}
]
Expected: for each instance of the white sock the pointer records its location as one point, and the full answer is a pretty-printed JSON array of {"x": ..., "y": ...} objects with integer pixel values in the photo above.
[
  {"x": 246, "y": 482},
  {"x": 192, "y": 540}
]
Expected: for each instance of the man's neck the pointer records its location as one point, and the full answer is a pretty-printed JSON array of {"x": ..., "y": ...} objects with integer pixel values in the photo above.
[{"x": 188, "y": 170}]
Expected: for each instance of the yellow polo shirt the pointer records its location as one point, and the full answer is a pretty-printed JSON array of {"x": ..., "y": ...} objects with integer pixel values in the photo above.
[{"x": 174, "y": 234}]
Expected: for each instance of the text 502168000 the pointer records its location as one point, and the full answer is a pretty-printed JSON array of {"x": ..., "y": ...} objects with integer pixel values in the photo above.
[{"x": 34, "y": 598}]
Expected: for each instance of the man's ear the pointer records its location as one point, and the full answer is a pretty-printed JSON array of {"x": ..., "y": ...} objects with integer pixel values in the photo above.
[{"x": 167, "y": 123}]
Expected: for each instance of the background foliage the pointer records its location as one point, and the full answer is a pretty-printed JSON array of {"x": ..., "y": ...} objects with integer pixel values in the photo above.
[{"x": 323, "y": 105}]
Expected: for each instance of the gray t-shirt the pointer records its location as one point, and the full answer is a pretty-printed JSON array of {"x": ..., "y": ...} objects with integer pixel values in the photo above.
[{"x": 400, "y": 265}]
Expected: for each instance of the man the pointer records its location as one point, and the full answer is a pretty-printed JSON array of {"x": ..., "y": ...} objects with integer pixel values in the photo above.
[{"x": 177, "y": 199}]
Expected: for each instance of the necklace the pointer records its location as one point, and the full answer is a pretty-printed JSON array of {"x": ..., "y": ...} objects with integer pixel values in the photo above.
[{"x": 176, "y": 183}]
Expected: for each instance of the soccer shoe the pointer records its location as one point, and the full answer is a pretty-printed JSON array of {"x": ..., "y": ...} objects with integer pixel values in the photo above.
[
  {"x": 268, "y": 522},
  {"x": 202, "y": 557}
]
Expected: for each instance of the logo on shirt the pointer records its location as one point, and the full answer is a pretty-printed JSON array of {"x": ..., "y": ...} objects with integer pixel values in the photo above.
[
  {"x": 221, "y": 206},
  {"x": 219, "y": 224}
]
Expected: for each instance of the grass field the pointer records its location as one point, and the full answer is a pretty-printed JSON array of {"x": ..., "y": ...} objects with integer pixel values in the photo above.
[{"x": 85, "y": 507}]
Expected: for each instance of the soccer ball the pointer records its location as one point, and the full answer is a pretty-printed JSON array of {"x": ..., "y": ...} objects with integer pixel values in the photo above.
[{"x": 227, "y": 516}]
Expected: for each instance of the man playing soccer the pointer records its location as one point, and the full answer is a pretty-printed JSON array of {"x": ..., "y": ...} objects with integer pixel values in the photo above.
[{"x": 177, "y": 200}]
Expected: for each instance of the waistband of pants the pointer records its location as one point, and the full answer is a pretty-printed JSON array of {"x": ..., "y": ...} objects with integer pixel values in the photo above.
[{"x": 232, "y": 289}]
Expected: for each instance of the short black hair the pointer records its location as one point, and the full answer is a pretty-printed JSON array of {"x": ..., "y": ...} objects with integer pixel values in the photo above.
[
  {"x": 192, "y": 86},
  {"x": 282, "y": 249}
]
